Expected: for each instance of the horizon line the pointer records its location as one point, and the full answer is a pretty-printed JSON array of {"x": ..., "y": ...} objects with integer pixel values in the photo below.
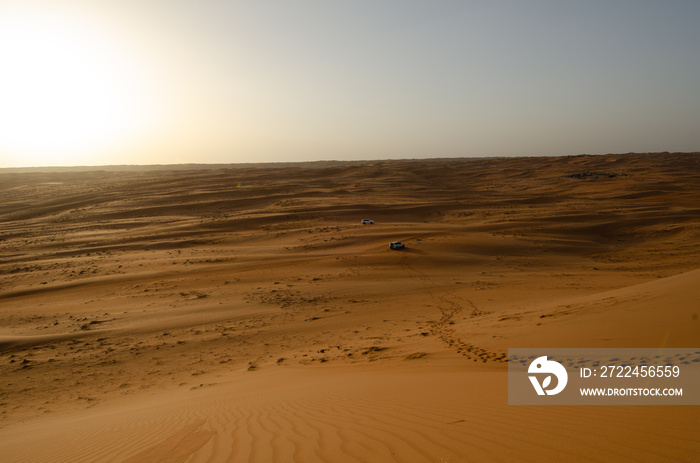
[{"x": 207, "y": 165}]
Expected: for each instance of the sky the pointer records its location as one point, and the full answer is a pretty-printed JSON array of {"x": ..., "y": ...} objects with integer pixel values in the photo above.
[{"x": 105, "y": 82}]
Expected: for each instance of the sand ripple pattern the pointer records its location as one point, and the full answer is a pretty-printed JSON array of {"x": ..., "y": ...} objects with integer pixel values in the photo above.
[{"x": 367, "y": 416}]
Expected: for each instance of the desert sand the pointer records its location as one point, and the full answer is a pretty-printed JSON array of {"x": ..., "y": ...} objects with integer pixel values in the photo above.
[{"x": 243, "y": 313}]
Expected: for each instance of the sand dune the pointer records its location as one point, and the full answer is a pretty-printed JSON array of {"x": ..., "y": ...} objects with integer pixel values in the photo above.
[
  {"x": 243, "y": 313},
  {"x": 659, "y": 313},
  {"x": 383, "y": 413}
]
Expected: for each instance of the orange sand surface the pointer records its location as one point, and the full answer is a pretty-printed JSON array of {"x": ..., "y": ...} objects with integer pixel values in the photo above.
[{"x": 243, "y": 313}]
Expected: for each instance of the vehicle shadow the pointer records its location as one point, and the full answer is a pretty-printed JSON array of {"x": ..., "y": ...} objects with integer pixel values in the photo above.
[{"x": 410, "y": 250}]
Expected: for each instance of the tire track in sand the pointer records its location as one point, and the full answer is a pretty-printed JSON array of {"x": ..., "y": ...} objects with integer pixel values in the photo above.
[{"x": 451, "y": 305}]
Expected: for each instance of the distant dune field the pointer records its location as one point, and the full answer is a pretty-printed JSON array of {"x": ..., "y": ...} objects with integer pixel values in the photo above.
[{"x": 243, "y": 313}]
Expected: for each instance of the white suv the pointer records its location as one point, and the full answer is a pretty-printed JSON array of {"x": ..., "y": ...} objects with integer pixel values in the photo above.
[
  {"x": 367, "y": 221},
  {"x": 397, "y": 245}
]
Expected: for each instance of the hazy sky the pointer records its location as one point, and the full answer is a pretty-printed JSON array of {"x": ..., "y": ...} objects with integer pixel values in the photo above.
[{"x": 172, "y": 81}]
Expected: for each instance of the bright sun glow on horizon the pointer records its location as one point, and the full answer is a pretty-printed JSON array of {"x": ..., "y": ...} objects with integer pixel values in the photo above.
[
  {"x": 104, "y": 82},
  {"x": 64, "y": 90}
]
